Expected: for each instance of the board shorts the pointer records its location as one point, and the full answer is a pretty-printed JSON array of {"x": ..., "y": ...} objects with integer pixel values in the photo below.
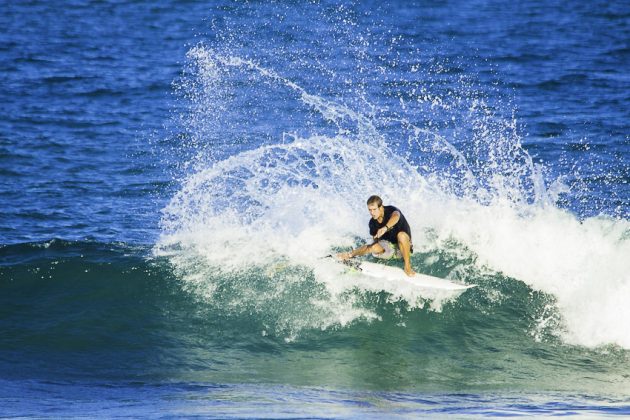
[{"x": 391, "y": 251}]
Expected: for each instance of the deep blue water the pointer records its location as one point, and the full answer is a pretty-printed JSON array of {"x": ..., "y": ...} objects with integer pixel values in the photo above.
[{"x": 171, "y": 172}]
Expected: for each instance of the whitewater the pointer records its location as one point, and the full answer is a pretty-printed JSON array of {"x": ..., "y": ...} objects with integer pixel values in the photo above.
[{"x": 301, "y": 198}]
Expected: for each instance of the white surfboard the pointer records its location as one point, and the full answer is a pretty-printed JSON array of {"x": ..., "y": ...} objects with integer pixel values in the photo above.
[{"x": 397, "y": 276}]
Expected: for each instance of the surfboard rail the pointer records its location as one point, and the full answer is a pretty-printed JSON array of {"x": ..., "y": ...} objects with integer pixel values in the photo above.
[
  {"x": 396, "y": 274},
  {"x": 393, "y": 274}
]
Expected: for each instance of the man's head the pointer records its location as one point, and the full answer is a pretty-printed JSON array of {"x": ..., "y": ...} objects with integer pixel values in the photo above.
[{"x": 375, "y": 206}]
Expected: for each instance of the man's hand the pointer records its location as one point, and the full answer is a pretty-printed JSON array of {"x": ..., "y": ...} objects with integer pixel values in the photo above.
[{"x": 343, "y": 256}]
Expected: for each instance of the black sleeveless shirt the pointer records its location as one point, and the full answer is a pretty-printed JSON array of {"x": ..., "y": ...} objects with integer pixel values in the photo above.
[{"x": 401, "y": 226}]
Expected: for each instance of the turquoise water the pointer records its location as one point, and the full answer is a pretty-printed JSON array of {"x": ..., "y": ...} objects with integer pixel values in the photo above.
[{"x": 171, "y": 175}]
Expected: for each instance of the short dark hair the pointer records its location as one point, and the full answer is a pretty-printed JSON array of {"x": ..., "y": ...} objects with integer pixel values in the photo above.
[{"x": 375, "y": 199}]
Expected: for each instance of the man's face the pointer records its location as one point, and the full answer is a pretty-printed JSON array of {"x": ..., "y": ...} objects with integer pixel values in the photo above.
[{"x": 375, "y": 210}]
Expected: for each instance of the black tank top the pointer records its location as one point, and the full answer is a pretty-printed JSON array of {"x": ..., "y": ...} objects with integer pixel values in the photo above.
[{"x": 401, "y": 226}]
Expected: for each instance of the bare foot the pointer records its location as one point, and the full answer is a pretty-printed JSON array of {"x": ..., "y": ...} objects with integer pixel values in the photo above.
[{"x": 409, "y": 271}]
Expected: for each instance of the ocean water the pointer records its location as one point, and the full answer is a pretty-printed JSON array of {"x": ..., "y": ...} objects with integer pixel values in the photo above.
[{"x": 172, "y": 173}]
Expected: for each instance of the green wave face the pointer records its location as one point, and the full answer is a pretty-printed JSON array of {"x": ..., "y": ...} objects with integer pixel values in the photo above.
[{"x": 83, "y": 310}]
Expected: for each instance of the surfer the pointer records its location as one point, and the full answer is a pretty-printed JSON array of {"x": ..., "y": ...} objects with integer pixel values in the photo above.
[{"x": 391, "y": 233}]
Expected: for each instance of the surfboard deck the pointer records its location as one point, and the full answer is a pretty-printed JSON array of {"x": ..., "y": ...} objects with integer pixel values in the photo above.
[{"x": 397, "y": 275}]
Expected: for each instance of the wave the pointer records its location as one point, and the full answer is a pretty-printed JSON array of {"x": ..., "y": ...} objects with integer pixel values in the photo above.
[
  {"x": 73, "y": 311},
  {"x": 291, "y": 202},
  {"x": 92, "y": 296}
]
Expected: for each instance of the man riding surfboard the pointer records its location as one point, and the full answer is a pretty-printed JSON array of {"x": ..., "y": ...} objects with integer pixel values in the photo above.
[{"x": 391, "y": 233}]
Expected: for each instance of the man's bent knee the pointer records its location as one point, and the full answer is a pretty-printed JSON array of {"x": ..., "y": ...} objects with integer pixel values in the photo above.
[
  {"x": 375, "y": 249},
  {"x": 405, "y": 241},
  {"x": 403, "y": 237}
]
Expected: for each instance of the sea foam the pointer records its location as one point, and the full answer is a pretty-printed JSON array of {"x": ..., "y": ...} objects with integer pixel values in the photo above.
[{"x": 291, "y": 202}]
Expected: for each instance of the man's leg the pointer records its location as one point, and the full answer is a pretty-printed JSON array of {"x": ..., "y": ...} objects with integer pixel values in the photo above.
[
  {"x": 404, "y": 243},
  {"x": 374, "y": 248}
]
